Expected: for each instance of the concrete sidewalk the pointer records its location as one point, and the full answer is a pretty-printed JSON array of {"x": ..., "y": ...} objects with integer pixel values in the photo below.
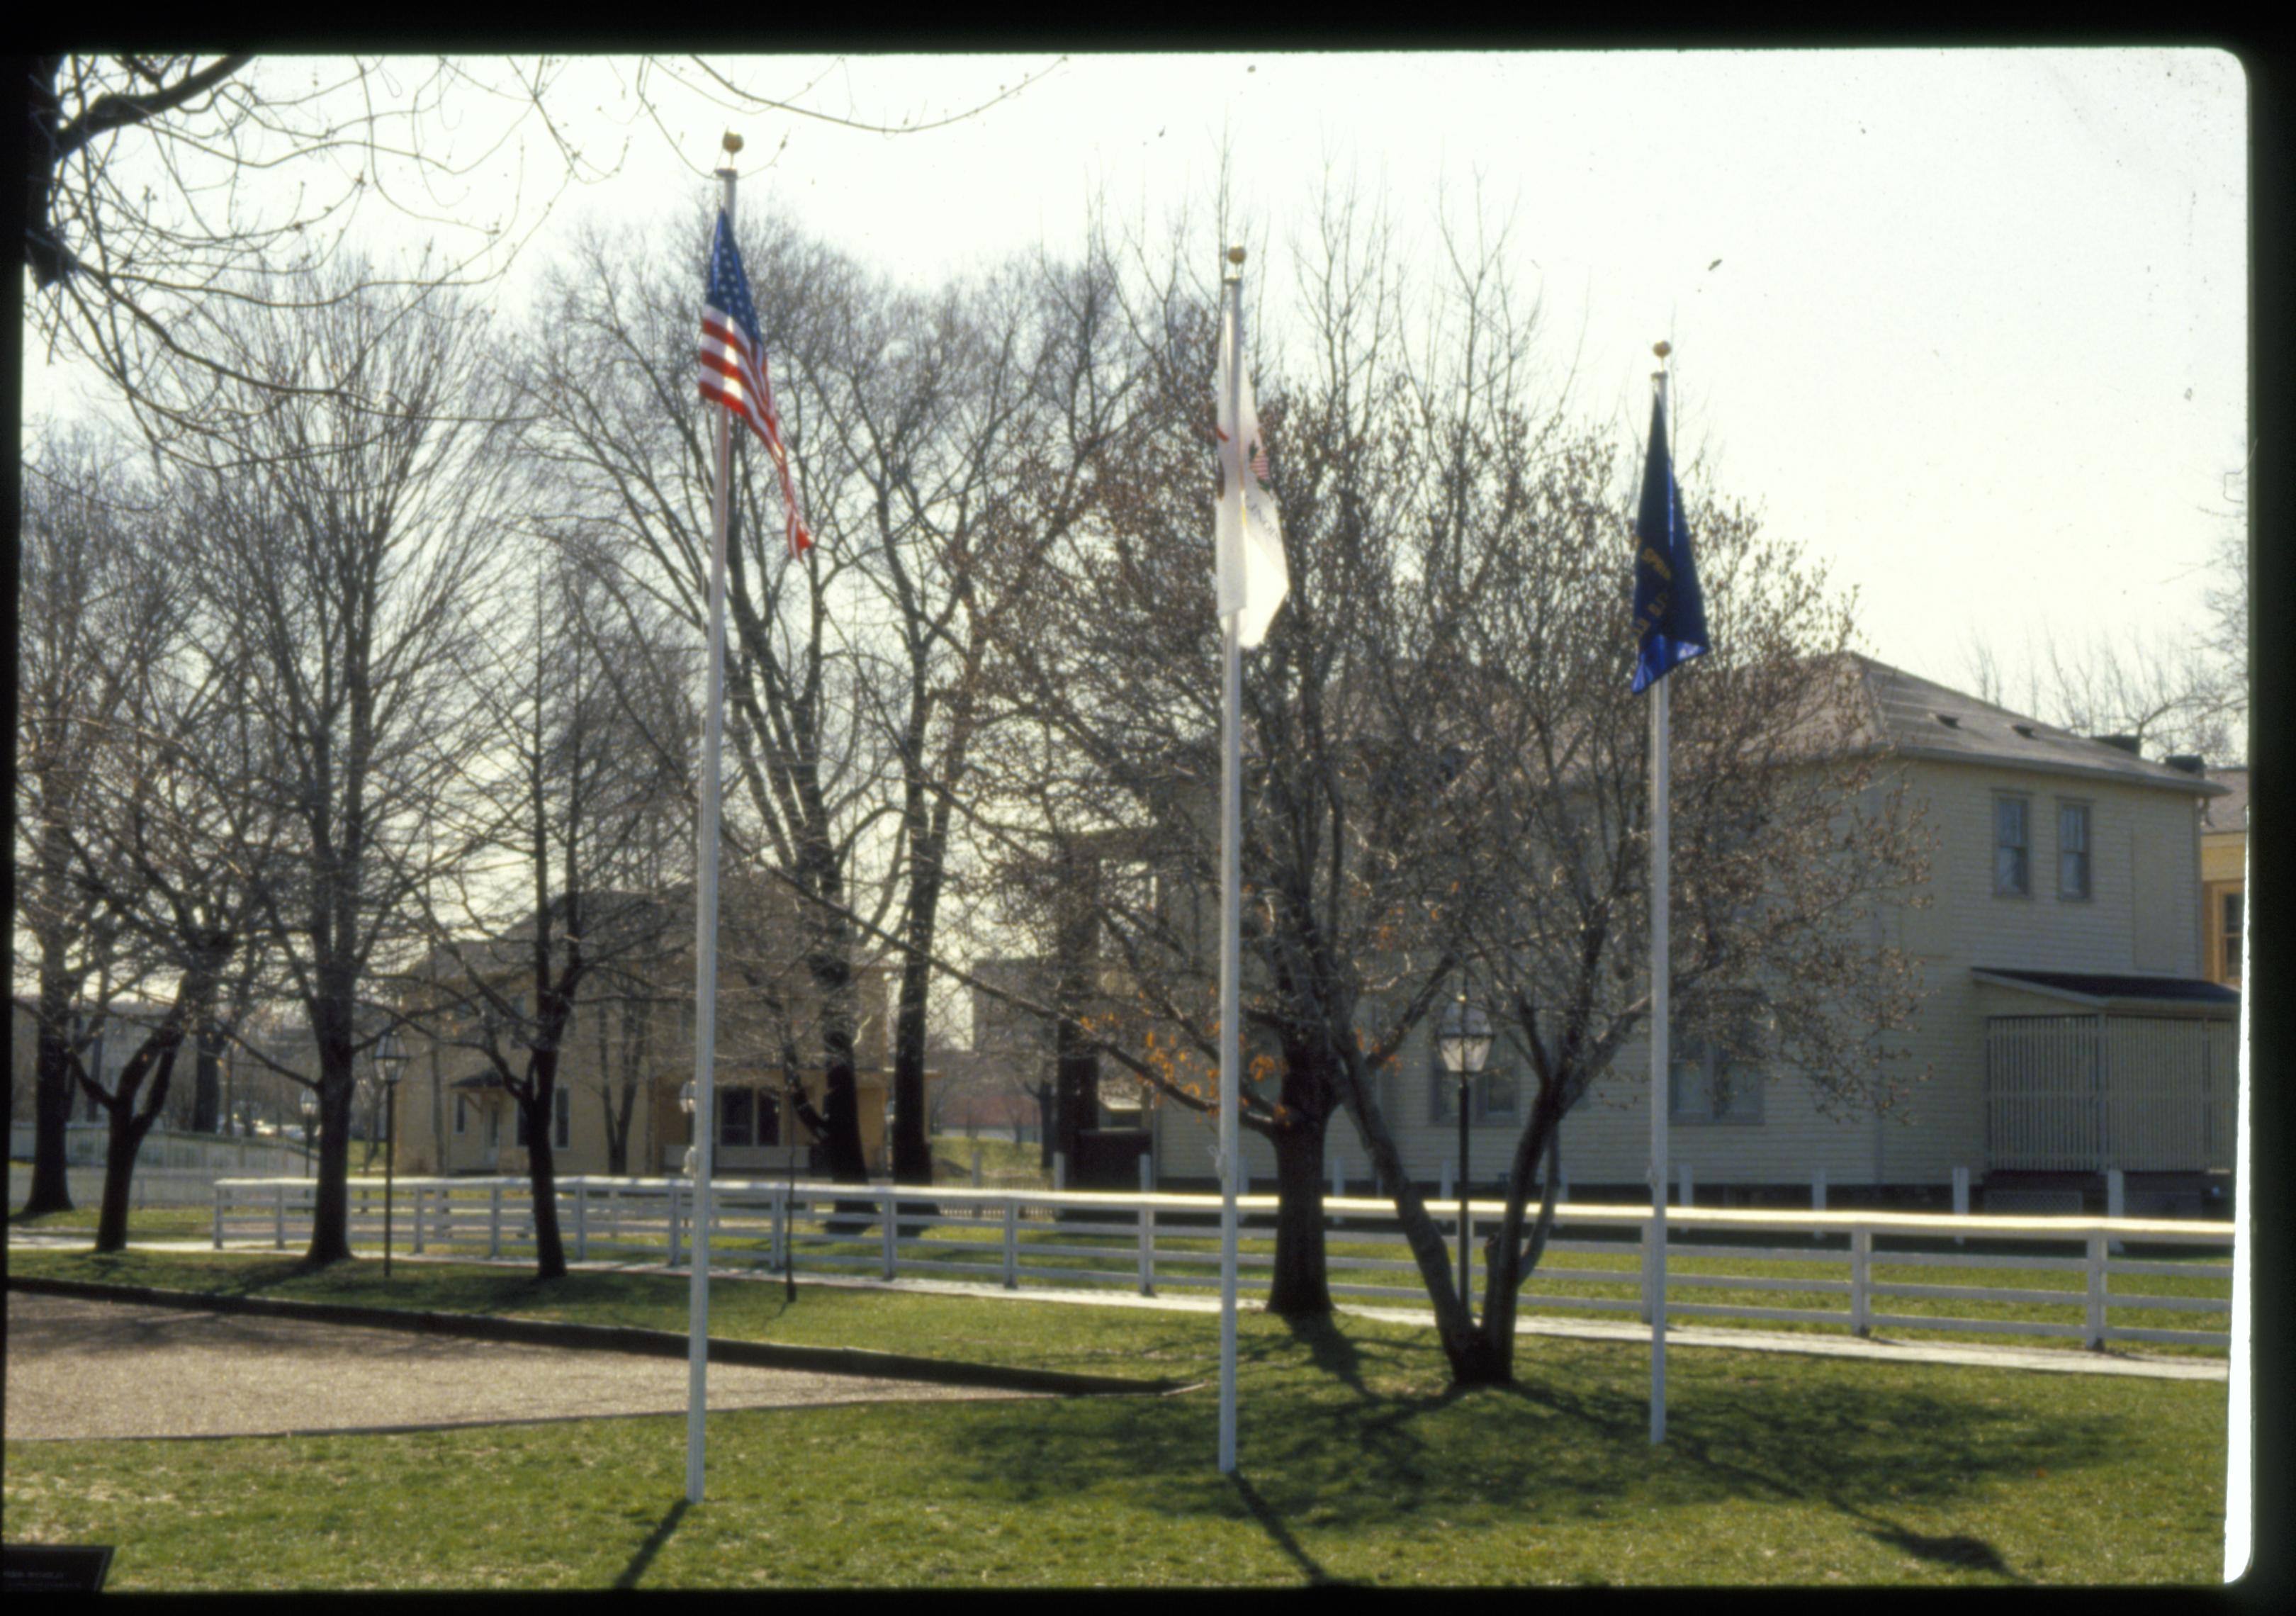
[{"x": 2054, "y": 1360}]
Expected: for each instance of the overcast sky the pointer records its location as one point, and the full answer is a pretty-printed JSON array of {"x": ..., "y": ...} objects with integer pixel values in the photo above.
[{"x": 1969, "y": 325}]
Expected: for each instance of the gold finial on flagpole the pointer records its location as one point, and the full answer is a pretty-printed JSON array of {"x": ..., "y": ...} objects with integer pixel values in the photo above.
[
  {"x": 1235, "y": 255},
  {"x": 1662, "y": 349},
  {"x": 731, "y": 143}
]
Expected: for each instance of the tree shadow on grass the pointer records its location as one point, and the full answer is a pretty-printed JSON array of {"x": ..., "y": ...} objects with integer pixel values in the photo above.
[
  {"x": 1330, "y": 1348},
  {"x": 1345, "y": 1434},
  {"x": 1281, "y": 1535},
  {"x": 661, "y": 1534}
]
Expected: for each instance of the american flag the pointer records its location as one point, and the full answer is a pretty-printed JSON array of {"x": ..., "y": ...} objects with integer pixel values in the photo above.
[{"x": 734, "y": 365}]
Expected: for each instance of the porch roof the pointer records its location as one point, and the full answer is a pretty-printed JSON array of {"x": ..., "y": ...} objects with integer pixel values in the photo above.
[
  {"x": 2100, "y": 989},
  {"x": 485, "y": 1080}
]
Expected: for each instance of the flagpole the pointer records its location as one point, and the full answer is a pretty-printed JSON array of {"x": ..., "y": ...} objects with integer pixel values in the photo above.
[
  {"x": 705, "y": 941},
  {"x": 1660, "y": 1024},
  {"x": 1231, "y": 891}
]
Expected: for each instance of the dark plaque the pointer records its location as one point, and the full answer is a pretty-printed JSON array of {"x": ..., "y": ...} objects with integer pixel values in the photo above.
[{"x": 53, "y": 1568}]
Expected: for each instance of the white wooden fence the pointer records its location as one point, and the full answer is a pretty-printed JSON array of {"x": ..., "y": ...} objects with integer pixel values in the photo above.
[{"x": 1154, "y": 1242}]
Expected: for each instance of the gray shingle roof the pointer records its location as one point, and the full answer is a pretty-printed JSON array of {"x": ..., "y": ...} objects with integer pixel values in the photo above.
[
  {"x": 2228, "y": 812},
  {"x": 1917, "y": 717}
]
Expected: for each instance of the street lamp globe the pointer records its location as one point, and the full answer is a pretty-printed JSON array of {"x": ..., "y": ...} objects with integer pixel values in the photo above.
[{"x": 1463, "y": 1041}]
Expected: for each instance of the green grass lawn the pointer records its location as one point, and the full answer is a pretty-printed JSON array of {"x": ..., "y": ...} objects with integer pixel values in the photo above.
[
  {"x": 149, "y": 1223},
  {"x": 1357, "y": 1464}
]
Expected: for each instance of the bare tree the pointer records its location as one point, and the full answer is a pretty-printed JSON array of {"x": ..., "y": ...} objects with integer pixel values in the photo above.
[
  {"x": 181, "y": 868},
  {"x": 557, "y": 790},
  {"x": 1115, "y": 672},
  {"x": 942, "y": 444},
  {"x": 345, "y": 530},
  {"x": 1442, "y": 764},
  {"x": 160, "y": 187},
  {"x": 2167, "y": 694},
  {"x": 87, "y": 619},
  {"x": 1788, "y": 835}
]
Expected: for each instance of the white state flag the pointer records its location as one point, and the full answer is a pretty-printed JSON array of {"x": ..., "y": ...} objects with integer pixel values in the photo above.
[{"x": 1252, "y": 581}]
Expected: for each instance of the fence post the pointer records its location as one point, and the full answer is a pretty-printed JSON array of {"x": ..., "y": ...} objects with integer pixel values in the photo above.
[
  {"x": 673, "y": 1223},
  {"x": 1147, "y": 1242},
  {"x": 279, "y": 1199},
  {"x": 1012, "y": 1245},
  {"x": 1861, "y": 1282},
  {"x": 1959, "y": 1197},
  {"x": 1443, "y": 1187},
  {"x": 778, "y": 1231},
  {"x": 2116, "y": 1200},
  {"x": 494, "y": 1219},
  {"x": 1060, "y": 1171},
  {"x": 2096, "y": 1291},
  {"x": 892, "y": 1205},
  {"x": 218, "y": 1217},
  {"x": 976, "y": 1167},
  {"x": 421, "y": 1196},
  {"x": 1818, "y": 1197},
  {"x": 581, "y": 1220},
  {"x": 1683, "y": 1169}
]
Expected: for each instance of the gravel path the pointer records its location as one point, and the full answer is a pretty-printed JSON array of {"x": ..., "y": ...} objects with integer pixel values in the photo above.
[{"x": 81, "y": 1370}]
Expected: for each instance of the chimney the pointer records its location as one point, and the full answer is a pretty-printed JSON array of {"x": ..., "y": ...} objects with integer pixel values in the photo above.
[
  {"x": 2130, "y": 744},
  {"x": 2190, "y": 762}
]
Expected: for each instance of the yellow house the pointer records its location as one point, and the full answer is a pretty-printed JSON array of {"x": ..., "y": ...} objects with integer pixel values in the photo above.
[
  {"x": 2223, "y": 875},
  {"x": 627, "y": 1055}
]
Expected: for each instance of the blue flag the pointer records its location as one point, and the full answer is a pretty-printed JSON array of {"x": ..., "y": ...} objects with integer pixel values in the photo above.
[{"x": 1669, "y": 611}]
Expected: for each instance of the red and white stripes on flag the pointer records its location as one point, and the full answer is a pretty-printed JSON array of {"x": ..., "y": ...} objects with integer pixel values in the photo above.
[{"x": 734, "y": 366}]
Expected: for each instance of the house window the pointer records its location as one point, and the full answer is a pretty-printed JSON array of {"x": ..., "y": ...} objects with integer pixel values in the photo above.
[
  {"x": 525, "y": 1134},
  {"x": 1707, "y": 1084},
  {"x": 2011, "y": 845},
  {"x": 462, "y": 1113},
  {"x": 2229, "y": 919},
  {"x": 494, "y": 1127},
  {"x": 736, "y": 1115},
  {"x": 561, "y": 1118},
  {"x": 1490, "y": 1096},
  {"x": 2072, "y": 849}
]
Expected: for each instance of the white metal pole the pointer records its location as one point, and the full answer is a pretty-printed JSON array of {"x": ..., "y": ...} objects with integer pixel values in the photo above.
[
  {"x": 705, "y": 937},
  {"x": 1231, "y": 902},
  {"x": 1660, "y": 1026}
]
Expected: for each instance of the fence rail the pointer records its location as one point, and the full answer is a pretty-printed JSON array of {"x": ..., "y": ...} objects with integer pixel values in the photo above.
[{"x": 1156, "y": 1242}]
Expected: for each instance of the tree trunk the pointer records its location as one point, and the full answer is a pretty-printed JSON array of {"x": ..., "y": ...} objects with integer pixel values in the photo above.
[
  {"x": 912, "y": 1144},
  {"x": 330, "y": 1239},
  {"x": 1464, "y": 1347},
  {"x": 1510, "y": 1258},
  {"x": 51, "y": 1090},
  {"x": 841, "y": 1110},
  {"x": 124, "y": 1138},
  {"x": 1301, "y": 1287},
  {"x": 542, "y": 1171},
  {"x": 206, "y": 1081},
  {"x": 911, "y": 1133}
]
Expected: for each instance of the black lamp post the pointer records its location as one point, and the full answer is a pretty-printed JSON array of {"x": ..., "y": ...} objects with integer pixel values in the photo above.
[
  {"x": 310, "y": 1108},
  {"x": 1464, "y": 1043},
  {"x": 391, "y": 1060}
]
